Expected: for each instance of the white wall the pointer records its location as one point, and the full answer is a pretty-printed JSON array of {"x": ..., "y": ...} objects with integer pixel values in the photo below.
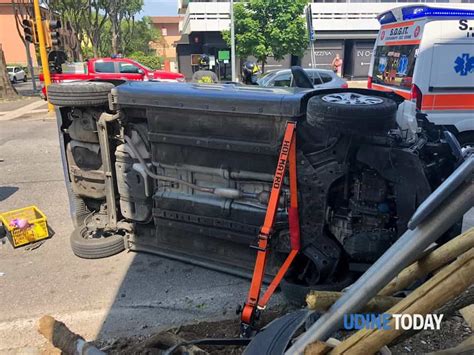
[
  {"x": 214, "y": 16},
  {"x": 206, "y": 16}
]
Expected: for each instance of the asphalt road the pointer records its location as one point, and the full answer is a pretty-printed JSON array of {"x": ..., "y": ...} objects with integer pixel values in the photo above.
[
  {"x": 127, "y": 294},
  {"x": 26, "y": 89}
]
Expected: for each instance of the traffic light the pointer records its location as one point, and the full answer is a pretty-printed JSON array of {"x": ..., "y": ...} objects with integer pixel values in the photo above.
[
  {"x": 29, "y": 29},
  {"x": 51, "y": 32}
]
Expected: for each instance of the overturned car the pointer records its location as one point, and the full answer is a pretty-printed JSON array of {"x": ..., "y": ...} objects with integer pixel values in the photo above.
[{"x": 185, "y": 171}]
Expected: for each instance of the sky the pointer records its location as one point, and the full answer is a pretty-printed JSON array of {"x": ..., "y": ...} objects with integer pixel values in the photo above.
[{"x": 160, "y": 8}]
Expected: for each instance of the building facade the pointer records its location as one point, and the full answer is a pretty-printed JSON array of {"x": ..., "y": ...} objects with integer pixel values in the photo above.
[
  {"x": 345, "y": 27},
  {"x": 168, "y": 27},
  {"x": 13, "y": 47}
]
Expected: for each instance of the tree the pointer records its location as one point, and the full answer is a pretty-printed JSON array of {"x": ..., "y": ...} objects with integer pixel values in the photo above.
[
  {"x": 6, "y": 88},
  {"x": 98, "y": 28},
  {"x": 269, "y": 28},
  {"x": 73, "y": 15},
  {"x": 23, "y": 10},
  {"x": 151, "y": 61},
  {"x": 95, "y": 23},
  {"x": 119, "y": 11},
  {"x": 135, "y": 36}
]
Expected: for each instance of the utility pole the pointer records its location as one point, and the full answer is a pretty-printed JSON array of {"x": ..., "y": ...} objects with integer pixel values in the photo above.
[
  {"x": 30, "y": 65},
  {"x": 42, "y": 47},
  {"x": 232, "y": 41}
]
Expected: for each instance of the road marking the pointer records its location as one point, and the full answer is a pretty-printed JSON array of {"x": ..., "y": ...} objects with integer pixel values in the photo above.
[{"x": 22, "y": 111}]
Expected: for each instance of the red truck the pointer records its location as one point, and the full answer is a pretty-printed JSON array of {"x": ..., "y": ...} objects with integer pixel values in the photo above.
[{"x": 114, "y": 69}]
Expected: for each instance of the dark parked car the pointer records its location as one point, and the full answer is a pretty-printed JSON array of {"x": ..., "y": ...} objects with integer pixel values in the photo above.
[
  {"x": 185, "y": 170},
  {"x": 321, "y": 79}
]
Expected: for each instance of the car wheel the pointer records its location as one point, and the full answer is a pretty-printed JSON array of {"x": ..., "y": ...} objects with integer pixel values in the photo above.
[
  {"x": 88, "y": 245},
  {"x": 25, "y": 79},
  {"x": 14, "y": 81},
  {"x": 79, "y": 93},
  {"x": 352, "y": 113}
]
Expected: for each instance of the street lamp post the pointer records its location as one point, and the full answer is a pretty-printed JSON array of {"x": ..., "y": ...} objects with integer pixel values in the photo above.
[{"x": 232, "y": 41}]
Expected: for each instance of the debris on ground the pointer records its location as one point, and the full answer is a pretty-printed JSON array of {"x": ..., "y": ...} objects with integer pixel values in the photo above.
[{"x": 25, "y": 226}]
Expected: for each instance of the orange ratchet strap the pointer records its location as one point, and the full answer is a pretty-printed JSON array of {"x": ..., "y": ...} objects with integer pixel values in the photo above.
[{"x": 254, "y": 303}]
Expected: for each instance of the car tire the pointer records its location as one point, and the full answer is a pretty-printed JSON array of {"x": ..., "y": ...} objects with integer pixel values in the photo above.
[
  {"x": 3, "y": 231},
  {"x": 352, "y": 113},
  {"x": 86, "y": 93},
  {"x": 95, "y": 248},
  {"x": 14, "y": 81},
  {"x": 25, "y": 79},
  {"x": 81, "y": 210}
]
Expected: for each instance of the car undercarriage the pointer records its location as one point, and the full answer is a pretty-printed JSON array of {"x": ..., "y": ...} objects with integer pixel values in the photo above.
[{"x": 185, "y": 171}]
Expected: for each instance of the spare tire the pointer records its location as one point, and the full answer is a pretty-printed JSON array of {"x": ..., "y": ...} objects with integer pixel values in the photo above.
[
  {"x": 81, "y": 93},
  {"x": 84, "y": 245},
  {"x": 352, "y": 113}
]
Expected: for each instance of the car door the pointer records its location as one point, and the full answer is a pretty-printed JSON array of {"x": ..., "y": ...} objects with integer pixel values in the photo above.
[
  {"x": 282, "y": 80},
  {"x": 321, "y": 80},
  {"x": 130, "y": 71},
  {"x": 105, "y": 69},
  {"x": 19, "y": 73}
]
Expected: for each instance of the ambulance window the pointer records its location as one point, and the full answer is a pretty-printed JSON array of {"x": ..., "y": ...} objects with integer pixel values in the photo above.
[{"x": 394, "y": 65}]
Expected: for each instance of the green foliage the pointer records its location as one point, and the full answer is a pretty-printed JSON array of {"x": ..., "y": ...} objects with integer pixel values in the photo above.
[
  {"x": 137, "y": 35},
  {"x": 265, "y": 28},
  {"x": 102, "y": 24},
  {"x": 151, "y": 61}
]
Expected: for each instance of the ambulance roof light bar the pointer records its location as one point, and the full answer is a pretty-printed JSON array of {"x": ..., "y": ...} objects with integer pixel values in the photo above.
[{"x": 416, "y": 11}]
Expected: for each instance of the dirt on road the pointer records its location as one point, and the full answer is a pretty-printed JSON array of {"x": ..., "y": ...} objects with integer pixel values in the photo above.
[{"x": 454, "y": 331}]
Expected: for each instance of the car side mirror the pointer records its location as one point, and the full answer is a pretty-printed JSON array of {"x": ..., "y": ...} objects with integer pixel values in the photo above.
[{"x": 140, "y": 71}]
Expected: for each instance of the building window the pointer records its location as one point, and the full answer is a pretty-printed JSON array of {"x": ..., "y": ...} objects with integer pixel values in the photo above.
[{"x": 164, "y": 31}]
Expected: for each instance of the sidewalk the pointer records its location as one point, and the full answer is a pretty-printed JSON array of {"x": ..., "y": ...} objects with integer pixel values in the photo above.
[{"x": 23, "y": 108}]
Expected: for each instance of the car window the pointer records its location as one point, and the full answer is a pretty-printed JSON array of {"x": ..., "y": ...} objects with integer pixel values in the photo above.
[
  {"x": 129, "y": 68},
  {"x": 394, "y": 65},
  {"x": 17, "y": 70},
  {"x": 265, "y": 78},
  {"x": 326, "y": 77},
  {"x": 10, "y": 70},
  {"x": 104, "y": 67},
  {"x": 321, "y": 78},
  {"x": 282, "y": 80}
]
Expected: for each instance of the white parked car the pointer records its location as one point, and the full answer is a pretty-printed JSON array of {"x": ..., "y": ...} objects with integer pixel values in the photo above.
[{"x": 16, "y": 74}]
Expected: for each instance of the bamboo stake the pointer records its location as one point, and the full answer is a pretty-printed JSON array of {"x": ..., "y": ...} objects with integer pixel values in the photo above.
[
  {"x": 447, "y": 284},
  {"x": 433, "y": 261},
  {"x": 322, "y": 300},
  {"x": 317, "y": 348}
]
